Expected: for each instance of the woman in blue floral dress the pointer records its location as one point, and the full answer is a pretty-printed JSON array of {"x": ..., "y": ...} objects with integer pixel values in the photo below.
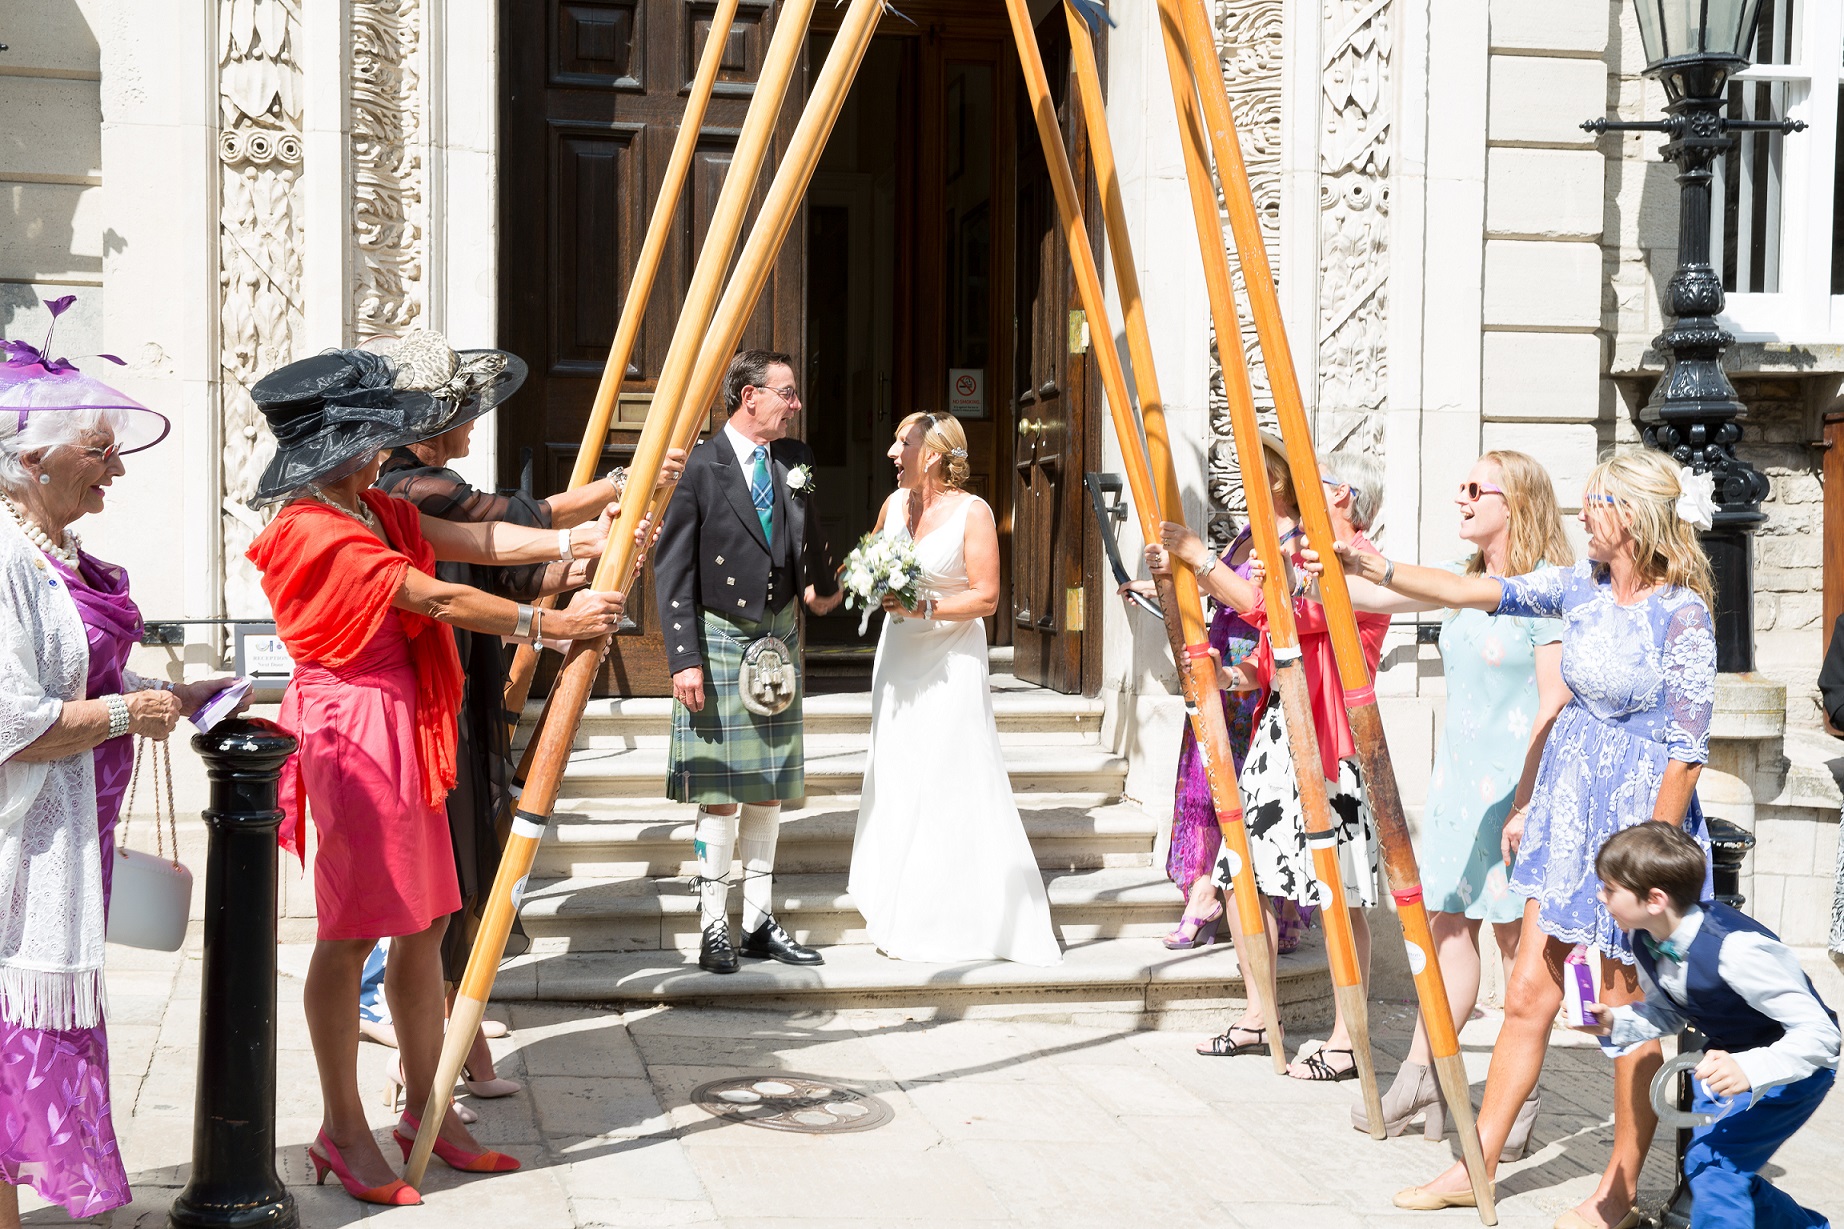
[{"x": 1639, "y": 654}]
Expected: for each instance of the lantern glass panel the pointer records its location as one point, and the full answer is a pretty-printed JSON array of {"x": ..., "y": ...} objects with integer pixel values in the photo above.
[{"x": 1673, "y": 28}]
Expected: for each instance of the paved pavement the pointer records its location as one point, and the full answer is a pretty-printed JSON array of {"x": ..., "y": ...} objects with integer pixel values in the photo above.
[{"x": 1029, "y": 1122}]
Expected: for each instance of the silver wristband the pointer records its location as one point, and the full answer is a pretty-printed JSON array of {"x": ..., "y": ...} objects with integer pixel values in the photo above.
[
  {"x": 564, "y": 553},
  {"x": 1389, "y": 572},
  {"x": 522, "y": 629},
  {"x": 118, "y": 713}
]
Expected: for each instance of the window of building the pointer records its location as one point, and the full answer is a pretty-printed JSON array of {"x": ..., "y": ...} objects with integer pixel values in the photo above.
[{"x": 1777, "y": 232}]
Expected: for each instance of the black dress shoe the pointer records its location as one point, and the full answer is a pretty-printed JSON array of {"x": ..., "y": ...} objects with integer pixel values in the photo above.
[
  {"x": 769, "y": 942},
  {"x": 716, "y": 955}
]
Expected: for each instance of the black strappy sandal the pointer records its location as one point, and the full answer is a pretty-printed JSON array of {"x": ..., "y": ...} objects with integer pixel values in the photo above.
[
  {"x": 1226, "y": 1045},
  {"x": 1321, "y": 1072}
]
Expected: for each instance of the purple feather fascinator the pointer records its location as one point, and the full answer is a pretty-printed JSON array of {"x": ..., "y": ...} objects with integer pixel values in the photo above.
[{"x": 32, "y": 382}]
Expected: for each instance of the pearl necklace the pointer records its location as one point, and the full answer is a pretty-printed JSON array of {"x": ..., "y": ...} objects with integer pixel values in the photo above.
[
  {"x": 66, "y": 555},
  {"x": 363, "y": 516}
]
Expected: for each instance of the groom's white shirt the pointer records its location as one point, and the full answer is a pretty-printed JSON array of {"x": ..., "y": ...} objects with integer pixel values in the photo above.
[{"x": 745, "y": 450}]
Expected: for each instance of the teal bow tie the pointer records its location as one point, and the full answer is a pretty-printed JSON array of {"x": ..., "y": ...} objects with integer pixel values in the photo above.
[{"x": 1664, "y": 948}]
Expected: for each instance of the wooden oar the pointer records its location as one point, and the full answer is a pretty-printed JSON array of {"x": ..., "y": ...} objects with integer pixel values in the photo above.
[
  {"x": 1289, "y": 676},
  {"x": 634, "y": 307},
  {"x": 571, "y": 692},
  {"x": 1179, "y": 599},
  {"x": 1360, "y": 691}
]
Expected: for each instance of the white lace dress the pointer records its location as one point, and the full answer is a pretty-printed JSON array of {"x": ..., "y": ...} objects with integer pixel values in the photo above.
[{"x": 941, "y": 868}]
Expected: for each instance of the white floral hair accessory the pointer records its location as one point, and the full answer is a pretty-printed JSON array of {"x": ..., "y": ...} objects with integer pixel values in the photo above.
[{"x": 1697, "y": 503}]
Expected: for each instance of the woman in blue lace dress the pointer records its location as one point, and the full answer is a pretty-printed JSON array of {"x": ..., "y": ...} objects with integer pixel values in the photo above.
[{"x": 1639, "y": 656}]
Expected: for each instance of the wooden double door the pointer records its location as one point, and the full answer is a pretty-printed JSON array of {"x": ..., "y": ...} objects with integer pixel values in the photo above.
[{"x": 927, "y": 273}]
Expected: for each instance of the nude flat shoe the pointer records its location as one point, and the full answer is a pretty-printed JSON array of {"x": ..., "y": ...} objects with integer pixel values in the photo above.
[
  {"x": 1421, "y": 1199},
  {"x": 1575, "y": 1220}
]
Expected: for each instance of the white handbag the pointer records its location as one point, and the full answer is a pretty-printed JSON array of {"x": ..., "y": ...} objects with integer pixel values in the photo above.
[{"x": 152, "y": 894}]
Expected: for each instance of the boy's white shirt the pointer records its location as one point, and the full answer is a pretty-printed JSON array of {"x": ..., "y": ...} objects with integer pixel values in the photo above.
[{"x": 1766, "y": 974}]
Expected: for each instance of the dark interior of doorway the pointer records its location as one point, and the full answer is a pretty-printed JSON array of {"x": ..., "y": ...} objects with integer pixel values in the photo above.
[{"x": 855, "y": 214}]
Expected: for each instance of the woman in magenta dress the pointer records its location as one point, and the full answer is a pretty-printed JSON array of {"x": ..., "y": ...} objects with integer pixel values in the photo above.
[
  {"x": 349, "y": 573},
  {"x": 68, "y": 710},
  {"x": 1196, "y": 839}
]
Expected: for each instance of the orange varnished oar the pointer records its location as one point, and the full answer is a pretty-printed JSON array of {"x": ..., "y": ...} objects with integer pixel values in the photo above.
[
  {"x": 1179, "y": 599},
  {"x": 618, "y": 565},
  {"x": 1289, "y": 676},
  {"x": 633, "y": 308},
  {"x": 1360, "y": 691}
]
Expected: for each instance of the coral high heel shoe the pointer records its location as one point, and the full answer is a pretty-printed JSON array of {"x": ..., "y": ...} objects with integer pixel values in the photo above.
[
  {"x": 453, "y": 1157},
  {"x": 398, "y": 1194}
]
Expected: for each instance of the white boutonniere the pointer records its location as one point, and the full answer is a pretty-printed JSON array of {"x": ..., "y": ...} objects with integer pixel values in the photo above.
[
  {"x": 1697, "y": 503},
  {"x": 800, "y": 480}
]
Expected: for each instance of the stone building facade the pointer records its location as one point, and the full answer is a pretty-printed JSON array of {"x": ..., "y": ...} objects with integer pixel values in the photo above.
[{"x": 233, "y": 183}]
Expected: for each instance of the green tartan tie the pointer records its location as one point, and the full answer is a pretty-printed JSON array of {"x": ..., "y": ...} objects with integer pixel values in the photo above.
[{"x": 762, "y": 491}]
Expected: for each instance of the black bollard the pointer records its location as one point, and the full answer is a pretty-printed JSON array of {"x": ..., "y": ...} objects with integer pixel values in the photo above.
[{"x": 234, "y": 1184}]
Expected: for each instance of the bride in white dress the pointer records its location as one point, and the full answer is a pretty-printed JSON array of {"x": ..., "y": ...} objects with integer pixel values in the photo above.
[{"x": 941, "y": 868}]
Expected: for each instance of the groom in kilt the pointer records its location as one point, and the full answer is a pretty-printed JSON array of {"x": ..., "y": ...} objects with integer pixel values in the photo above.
[{"x": 739, "y": 543}]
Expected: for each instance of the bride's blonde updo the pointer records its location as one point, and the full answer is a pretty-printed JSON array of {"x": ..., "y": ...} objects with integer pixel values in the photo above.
[{"x": 943, "y": 436}]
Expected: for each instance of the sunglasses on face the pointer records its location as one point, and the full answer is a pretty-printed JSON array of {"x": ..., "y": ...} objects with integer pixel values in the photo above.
[
  {"x": 105, "y": 455},
  {"x": 1596, "y": 498},
  {"x": 790, "y": 394},
  {"x": 1473, "y": 490}
]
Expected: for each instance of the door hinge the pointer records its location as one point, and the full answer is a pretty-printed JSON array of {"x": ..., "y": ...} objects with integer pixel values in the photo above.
[
  {"x": 1074, "y": 609},
  {"x": 1078, "y": 332}
]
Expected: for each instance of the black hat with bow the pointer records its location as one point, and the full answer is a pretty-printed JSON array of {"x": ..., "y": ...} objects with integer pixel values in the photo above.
[{"x": 332, "y": 413}]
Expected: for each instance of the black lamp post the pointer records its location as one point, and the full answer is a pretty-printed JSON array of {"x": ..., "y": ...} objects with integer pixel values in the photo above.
[{"x": 1693, "y": 47}]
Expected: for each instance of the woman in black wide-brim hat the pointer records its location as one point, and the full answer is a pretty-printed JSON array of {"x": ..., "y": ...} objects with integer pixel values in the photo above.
[
  {"x": 419, "y": 472},
  {"x": 350, "y": 575}
]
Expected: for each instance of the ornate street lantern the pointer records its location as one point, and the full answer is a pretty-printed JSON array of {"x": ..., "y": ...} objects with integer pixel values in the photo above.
[{"x": 1693, "y": 47}]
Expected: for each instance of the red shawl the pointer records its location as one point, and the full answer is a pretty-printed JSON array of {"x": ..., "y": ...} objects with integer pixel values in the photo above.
[
  {"x": 330, "y": 583},
  {"x": 1330, "y": 721}
]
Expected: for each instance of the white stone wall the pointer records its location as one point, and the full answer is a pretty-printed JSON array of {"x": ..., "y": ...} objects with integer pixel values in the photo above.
[
  {"x": 51, "y": 173},
  {"x": 1540, "y": 352}
]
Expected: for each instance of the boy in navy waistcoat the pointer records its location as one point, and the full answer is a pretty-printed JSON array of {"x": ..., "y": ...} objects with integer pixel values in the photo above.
[{"x": 1771, "y": 1038}]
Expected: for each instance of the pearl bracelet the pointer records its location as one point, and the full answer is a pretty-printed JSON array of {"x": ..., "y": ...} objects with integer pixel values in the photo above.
[{"x": 118, "y": 713}]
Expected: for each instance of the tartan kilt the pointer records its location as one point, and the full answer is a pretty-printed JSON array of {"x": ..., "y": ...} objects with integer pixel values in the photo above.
[{"x": 726, "y": 753}]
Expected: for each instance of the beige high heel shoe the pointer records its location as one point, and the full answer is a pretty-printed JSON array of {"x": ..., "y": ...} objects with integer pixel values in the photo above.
[{"x": 396, "y": 1099}]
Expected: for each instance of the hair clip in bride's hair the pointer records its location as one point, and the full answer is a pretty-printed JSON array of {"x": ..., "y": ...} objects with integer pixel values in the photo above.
[{"x": 958, "y": 452}]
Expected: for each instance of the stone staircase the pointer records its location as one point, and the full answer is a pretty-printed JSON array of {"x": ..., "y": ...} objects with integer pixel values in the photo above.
[{"x": 612, "y": 917}]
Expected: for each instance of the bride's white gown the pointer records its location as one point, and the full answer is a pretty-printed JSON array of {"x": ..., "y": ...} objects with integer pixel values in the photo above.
[{"x": 941, "y": 868}]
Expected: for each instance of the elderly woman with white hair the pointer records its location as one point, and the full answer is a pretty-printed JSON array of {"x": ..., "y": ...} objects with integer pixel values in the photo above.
[
  {"x": 67, "y": 711},
  {"x": 1270, "y": 789}
]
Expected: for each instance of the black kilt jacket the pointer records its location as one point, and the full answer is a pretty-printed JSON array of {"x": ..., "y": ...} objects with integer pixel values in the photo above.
[{"x": 712, "y": 554}]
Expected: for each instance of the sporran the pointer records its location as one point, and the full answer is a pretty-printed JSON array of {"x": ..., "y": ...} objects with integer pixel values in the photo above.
[{"x": 769, "y": 678}]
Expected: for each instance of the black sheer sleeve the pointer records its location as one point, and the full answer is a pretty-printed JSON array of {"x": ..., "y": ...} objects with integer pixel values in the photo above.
[{"x": 444, "y": 494}]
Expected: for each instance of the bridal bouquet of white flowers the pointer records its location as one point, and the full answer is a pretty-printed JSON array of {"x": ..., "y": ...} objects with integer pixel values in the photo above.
[{"x": 877, "y": 566}]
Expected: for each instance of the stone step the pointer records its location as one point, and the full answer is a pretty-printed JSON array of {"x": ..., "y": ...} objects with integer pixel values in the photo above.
[
  {"x": 1039, "y": 716},
  {"x": 632, "y": 838},
  {"x": 578, "y": 915},
  {"x": 640, "y": 772},
  {"x": 1128, "y": 982}
]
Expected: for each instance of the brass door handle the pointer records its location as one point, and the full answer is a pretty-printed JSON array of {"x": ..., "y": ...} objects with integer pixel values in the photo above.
[{"x": 1027, "y": 427}]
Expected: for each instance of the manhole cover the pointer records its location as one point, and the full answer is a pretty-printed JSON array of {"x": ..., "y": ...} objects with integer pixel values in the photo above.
[{"x": 783, "y": 1102}]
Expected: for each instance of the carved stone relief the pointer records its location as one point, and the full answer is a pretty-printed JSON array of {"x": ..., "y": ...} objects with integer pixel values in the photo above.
[
  {"x": 1249, "y": 47},
  {"x": 1354, "y": 142},
  {"x": 388, "y": 205},
  {"x": 259, "y": 253},
  {"x": 1352, "y": 292}
]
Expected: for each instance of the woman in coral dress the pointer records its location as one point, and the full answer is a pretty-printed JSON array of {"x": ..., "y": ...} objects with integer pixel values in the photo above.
[{"x": 377, "y": 684}]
